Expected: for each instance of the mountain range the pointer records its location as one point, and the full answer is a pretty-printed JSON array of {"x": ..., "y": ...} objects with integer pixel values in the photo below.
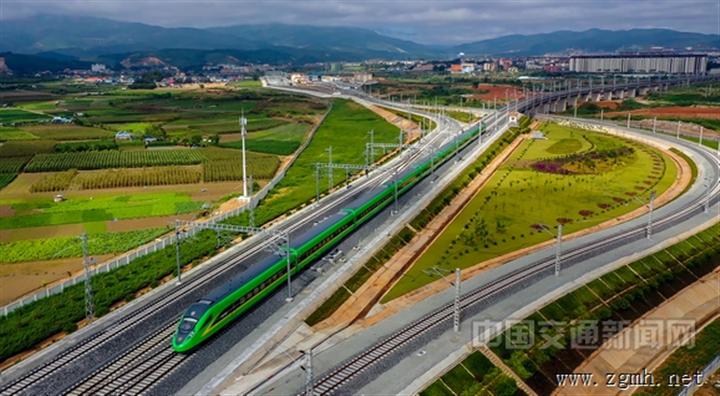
[{"x": 79, "y": 38}]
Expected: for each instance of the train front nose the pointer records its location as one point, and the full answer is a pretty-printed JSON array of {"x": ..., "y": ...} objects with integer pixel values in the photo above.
[{"x": 182, "y": 341}]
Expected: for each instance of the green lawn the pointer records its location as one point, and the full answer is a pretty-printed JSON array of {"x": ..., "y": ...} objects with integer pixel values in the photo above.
[
  {"x": 346, "y": 130},
  {"x": 44, "y": 212},
  {"x": 511, "y": 211}
]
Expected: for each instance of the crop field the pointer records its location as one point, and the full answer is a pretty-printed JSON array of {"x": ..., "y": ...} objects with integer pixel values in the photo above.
[
  {"x": 113, "y": 187},
  {"x": 13, "y": 133},
  {"x": 346, "y": 130},
  {"x": 574, "y": 177},
  {"x": 58, "y": 181},
  {"x": 62, "y": 247},
  {"x": 44, "y": 212},
  {"x": 12, "y": 116},
  {"x": 279, "y": 140},
  {"x": 67, "y": 132},
  {"x": 112, "y": 159},
  {"x": 153, "y": 176},
  {"x": 9, "y": 169},
  {"x": 25, "y": 148}
]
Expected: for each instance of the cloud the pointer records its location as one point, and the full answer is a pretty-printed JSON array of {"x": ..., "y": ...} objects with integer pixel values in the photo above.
[{"x": 425, "y": 21}]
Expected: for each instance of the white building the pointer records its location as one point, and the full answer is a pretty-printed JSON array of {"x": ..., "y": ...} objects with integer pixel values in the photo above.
[
  {"x": 98, "y": 68},
  {"x": 648, "y": 63}
]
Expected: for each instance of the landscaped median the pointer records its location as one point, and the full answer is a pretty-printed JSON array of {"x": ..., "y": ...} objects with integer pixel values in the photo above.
[
  {"x": 569, "y": 176},
  {"x": 583, "y": 180}
]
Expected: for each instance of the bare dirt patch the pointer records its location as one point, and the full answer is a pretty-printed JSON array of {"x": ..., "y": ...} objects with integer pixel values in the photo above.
[
  {"x": 19, "y": 234},
  {"x": 147, "y": 222},
  {"x": 6, "y": 211},
  {"x": 19, "y": 279},
  {"x": 497, "y": 91}
]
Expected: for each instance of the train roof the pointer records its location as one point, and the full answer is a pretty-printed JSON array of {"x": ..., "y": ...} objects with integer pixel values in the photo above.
[
  {"x": 240, "y": 279},
  {"x": 317, "y": 229}
]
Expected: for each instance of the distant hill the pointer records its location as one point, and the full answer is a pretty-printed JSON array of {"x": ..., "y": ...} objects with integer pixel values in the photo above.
[
  {"x": 30, "y": 64},
  {"x": 89, "y": 36},
  {"x": 196, "y": 59},
  {"x": 69, "y": 38},
  {"x": 593, "y": 40}
]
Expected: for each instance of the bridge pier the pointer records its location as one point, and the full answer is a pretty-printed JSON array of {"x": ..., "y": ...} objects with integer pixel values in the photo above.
[{"x": 632, "y": 92}]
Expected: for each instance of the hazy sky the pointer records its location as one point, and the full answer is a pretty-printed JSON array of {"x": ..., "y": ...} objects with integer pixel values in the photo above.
[{"x": 424, "y": 21}]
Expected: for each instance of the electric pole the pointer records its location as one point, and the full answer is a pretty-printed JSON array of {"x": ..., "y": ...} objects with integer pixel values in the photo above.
[
  {"x": 654, "y": 124},
  {"x": 243, "y": 132},
  {"x": 330, "y": 168},
  {"x": 701, "y": 136},
  {"x": 251, "y": 213},
  {"x": 177, "y": 251},
  {"x": 677, "y": 130},
  {"x": 651, "y": 205},
  {"x": 317, "y": 184},
  {"x": 89, "y": 304},
  {"x": 557, "y": 249},
  {"x": 456, "y": 305},
  {"x": 309, "y": 389},
  {"x": 287, "y": 256}
]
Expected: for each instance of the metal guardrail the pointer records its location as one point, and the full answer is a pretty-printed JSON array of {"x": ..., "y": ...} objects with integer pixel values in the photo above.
[{"x": 158, "y": 244}]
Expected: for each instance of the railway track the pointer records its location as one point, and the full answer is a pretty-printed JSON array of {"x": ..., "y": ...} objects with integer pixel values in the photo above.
[
  {"x": 155, "y": 347},
  {"x": 333, "y": 381}
]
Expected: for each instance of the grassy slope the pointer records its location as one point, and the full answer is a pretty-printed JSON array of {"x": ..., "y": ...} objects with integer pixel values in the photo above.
[
  {"x": 346, "y": 130},
  {"x": 545, "y": 197}
]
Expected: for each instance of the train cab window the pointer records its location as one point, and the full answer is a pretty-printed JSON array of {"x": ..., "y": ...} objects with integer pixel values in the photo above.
[
  {"x": 187, "y": 325},
  {"x": 195, "y": 311}
]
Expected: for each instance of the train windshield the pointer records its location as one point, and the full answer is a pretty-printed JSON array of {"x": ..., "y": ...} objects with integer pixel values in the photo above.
[
  {"x": 187, "y": 325},
  {"x": 197, "y": 310}
]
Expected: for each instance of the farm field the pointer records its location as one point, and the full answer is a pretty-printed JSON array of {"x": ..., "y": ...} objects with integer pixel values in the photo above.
[
  {"x": 346, "y": 130},
  {"x": 574, "y": 177},
  {"x": 173, "y": 166}
]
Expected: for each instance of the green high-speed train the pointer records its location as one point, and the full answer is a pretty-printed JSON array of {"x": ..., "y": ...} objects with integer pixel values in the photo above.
[{"x": 223, "y": 305}]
